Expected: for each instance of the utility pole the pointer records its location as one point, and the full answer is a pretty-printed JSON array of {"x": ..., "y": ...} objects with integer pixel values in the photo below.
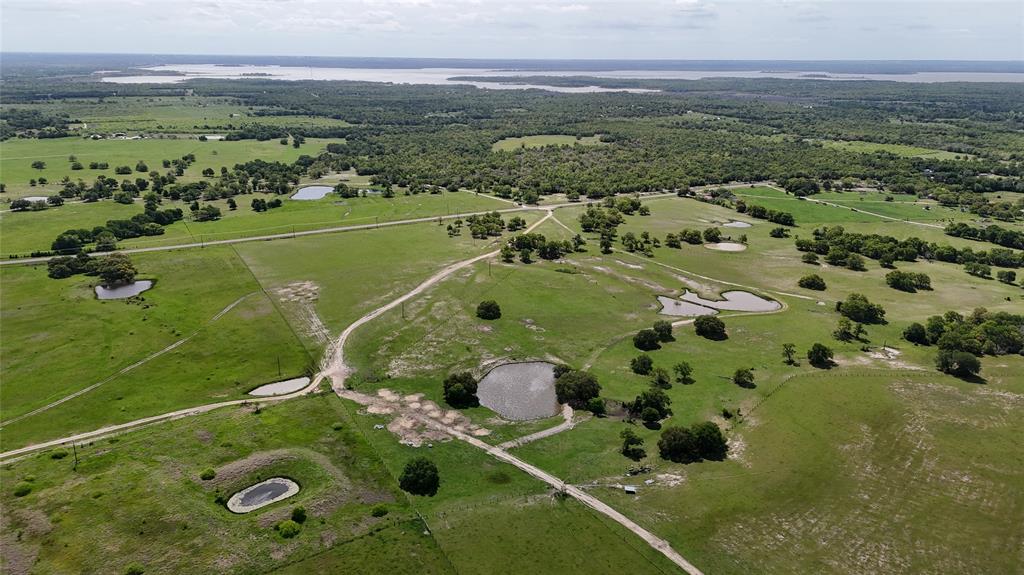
[{"x": 75, "y": 449}]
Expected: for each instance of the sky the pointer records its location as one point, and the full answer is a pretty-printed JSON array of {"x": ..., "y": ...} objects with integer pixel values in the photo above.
[{"x": 604, "y": 29}]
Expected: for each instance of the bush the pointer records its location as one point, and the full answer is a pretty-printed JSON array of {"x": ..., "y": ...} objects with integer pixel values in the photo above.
[
  {"x": 22, "y": 489},
  {"x": 379, "y": 511},
  {"x": 299, "y": 515},
  {"x": 819, "y": 355},
  {"x": 710, "y": 327},
  {"x": 743, "y": 378},
  {"x": 207, "y": 474},
  {"x": 641, "y": 364},
  {"x": 489, "y": 310},
  {"x": 460, "y": 390},
  {"x": 420, "y": 477},
  {"x": 957, "y": 363},
  {"x": 288, "y": 528},
  {"x": 58, "y": 454},
  {"x": 779, "y": 232},
  {"x": 632, "y": 445},
  {"x": 646, "y": 340},
  {"x": 812, "y": 281},
  {"x": 809, "y": 258},
  {"x": 596, "y": 406},
  {"x": 134, "y": 569}
]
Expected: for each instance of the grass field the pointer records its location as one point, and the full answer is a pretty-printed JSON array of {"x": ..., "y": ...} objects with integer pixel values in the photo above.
[
  {"x": 898, "y": 149},
  {"x": 24, "y": 232},
  {"x": 509, "y": 144},
  {"x": 17, "y": 156}
]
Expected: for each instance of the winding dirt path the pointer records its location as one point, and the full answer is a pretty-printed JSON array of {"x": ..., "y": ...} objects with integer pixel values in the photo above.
[{"x": 566, "y": 425}]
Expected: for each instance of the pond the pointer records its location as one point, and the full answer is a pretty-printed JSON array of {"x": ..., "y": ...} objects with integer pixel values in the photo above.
[
  {"x": 726, "y": 247},
  {"x": 674, "y": 307},
  {"x": 734, "y": 301},
  {"x": 124, "y": 291},
  {"x": 312, "y": 193},
  {"x": 520, "y": 391},
  {"x": 281, "y": 387},
  {"x": 262, "y": 494},
  {"x": 737, "y": 224}
]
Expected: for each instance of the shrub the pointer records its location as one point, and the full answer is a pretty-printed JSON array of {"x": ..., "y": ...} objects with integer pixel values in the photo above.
[
  {"x": 420, "y": 477},
  {"x": 915, "y": 333},
  {"x": 489, "y": 310},
  {"x": 660, "y": 378},
  {"x": 134, "y": 569},
  {"x": 632, "y": 445},
  {"x": 288, "y": 528},
  {"x": 646, "y": 340},
  {"x": 710, "y": 327},
  {"x": 779, "y": 232},
  {"x": 299, "y": 515},
  {"x": 596, "y": 406},
  {"x": 859, "y": 309},
  {"x": 812, "y": 281},
  {"x": 207, "y": 474},
  {"x": 58, "y": 454},
  {"x": 22, "y": 489},
  {"x": 379, "y": 511},
  {"x": 809, "y": 258},
  {"x": 641, "y": 364},
  {"x": 743, "y": 378}
]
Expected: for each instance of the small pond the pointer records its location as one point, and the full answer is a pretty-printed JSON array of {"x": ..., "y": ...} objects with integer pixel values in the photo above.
[
  {"x": 312, "y": 193},
  {"x": 281, "y": 387},
  {"x": 126, "y": 291},
  {"x": 520, "y": 391},
  {"x": 262, "y": 494},
  {"x": 736, "y": 224},
  {"x": 674, "y": 307},
  {"x": 734, "y": 301}
]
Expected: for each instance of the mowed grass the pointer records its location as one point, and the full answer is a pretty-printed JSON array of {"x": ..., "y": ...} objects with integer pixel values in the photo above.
[
  {"x": 511, "y": 144},
  {"x": 897, "y": 149},
  {"x": 811, "y": 210},
  {"x": 17, "y": 156},
  {"x": 156, "y": 511},
  {"x": 22, "y": 233},
  {"x": 59, "y": 339}
]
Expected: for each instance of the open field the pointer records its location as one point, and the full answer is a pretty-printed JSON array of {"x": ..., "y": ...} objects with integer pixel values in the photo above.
[
  {"x": 18, "y": 155},
  {"x": 510, "y": 144},
  {"x": 898, "y": 149},
  {"x": 22, "y": 233}
]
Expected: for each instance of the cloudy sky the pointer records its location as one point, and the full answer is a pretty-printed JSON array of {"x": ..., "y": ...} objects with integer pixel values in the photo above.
[{"x": 670, "y": 29}]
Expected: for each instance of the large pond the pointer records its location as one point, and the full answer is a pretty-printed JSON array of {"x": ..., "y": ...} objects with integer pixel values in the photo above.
[
  {"x": 312, "y": 193},
  {"x": 262, "y": 494},
  {"x": 121, "y": 292},
  {"x": 281, "y": 387},
  {"x": 734, "y": 301},
  {"x": 520, "y": 391}
]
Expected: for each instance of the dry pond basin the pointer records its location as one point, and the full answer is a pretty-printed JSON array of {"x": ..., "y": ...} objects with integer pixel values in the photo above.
[
  {"x": 123, "y": 291},
  {"x": 726, "y": 247},
  {"x": 312, "y": 193},
  {"x": 520, "y": 391},
  {"x": 262, "y": 494},
  {"x": 690, "y": 304},
  {"x": 737, "y": 224}
]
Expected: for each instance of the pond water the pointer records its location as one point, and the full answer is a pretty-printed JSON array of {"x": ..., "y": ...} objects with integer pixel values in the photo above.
[
  {"x": 262, "y": 494},
  {"x": 35, "y": 198},
  {"x": 737, "y": 224},
  {"x": 520, "y": 391},
  {"x": 281, "y": 387},
  {"x": 734, "y": 301},
  {"x": 674, "y": 307},
  {"x": 312, "y": 193},
  {"x": 125, "y": 291}
]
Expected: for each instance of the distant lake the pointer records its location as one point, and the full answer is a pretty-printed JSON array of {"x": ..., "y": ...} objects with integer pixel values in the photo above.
[{"x": 172, "y": 73}]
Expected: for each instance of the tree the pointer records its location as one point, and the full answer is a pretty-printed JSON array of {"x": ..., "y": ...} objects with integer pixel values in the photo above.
[
  {"x": 915, "y": 333},
  {"x": 576, "y": 388},
  {"x": 460, "y": 390},
  {"x": 1006, "y": 276},
  {"x": 858, "y": 308},
  {"x": 632, "y": 445},
  {"x": 812, "y": 281},
  {"x": 711, "y": 444},
  {"x": 39, "y": 165},
  {"x": 819, "y": 355},
  {"x": 678, "y": 444},
  {"x": 844, "y": 330},
  {"x": 855, "y": 263},
  {"x": 420, "y": 477},
  {"x": 810, "y": 258},
  {"x": 641, "y": 364},
  {"x": 957, "y": 363},
  {"x": 646, "y": 340},
  {"x": 116, "y": 269},
  {"x": 660, "y": 378},
  {"x": 744, "y": 378},
  {"x": 710, "y": 327},
  {"x": 788, "y": 352},
  {"x": 488, "y": 309},
  {"x": 684, "y": 373},
  {"x": 650, "y": 416},
  {"x": 597, "y": 407},
  {"x": 664, "y": 330},
  {"x": 779, "y": 232},
  {"x": 712, "y": 235},
  {"x": 652, "y": 398},
  {"x": 978, "y": 269},
  {"x": 299, "y": 514}
]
